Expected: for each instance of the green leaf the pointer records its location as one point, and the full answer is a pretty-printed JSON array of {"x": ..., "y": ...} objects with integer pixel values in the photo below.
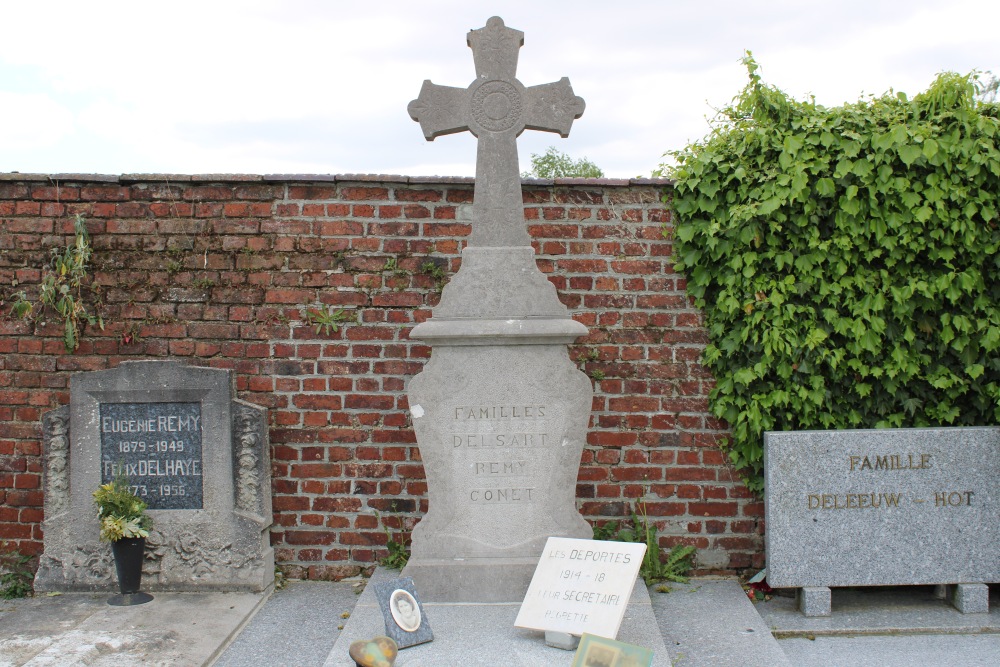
[
  {"x": 685, "y": 232},
  {"x": 923, "y": 214},
  {"x": 769, "y": 206},
  {"x": 69, "y": 335},
  {"x": 930, "y": 148},
  {"x": 792, "y": 143},
  {"x": 909, "y": 153},
  {"x": 825, "y": 187}
]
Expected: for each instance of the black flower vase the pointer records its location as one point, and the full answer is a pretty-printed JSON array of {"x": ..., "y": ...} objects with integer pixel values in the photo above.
[{"x": 128, "y": 553}]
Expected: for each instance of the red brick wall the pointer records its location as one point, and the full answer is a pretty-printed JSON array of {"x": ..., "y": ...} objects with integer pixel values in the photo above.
[{"x": 221, "y": 270}]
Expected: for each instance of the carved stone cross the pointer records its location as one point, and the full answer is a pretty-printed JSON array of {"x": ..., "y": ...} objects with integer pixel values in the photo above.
[{"x": 496, "y": 108}]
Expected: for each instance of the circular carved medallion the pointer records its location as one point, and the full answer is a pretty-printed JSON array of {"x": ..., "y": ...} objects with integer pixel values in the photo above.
[{"x": 496, "y": 106}]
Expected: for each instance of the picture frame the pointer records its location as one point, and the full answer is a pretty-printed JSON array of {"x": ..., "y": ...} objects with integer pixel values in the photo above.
[
  {"x": 595, "y": 651},
  {"x": 405, "y": 620}
]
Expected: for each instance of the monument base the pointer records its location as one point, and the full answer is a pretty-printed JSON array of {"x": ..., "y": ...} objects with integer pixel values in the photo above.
[
  {"x": 483, "y": 634},
  {"x": 471, "y": 580},
  {"x": 501, "y": 430}
]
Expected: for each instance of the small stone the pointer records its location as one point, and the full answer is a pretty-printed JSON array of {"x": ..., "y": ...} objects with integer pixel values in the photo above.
[{"x": 377, "y": 652}]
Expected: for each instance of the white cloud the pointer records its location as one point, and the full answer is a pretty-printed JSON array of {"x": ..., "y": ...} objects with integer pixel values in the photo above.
[
  {"x": 311, "y": 85},
  {"x": 32, "y": 121}
]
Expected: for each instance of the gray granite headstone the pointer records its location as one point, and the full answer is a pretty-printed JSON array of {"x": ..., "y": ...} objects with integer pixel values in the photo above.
[
  {"x": 500, "y": 411},
  {"x": 197, "y": 456},
  {"x": 882, "y": 507}
]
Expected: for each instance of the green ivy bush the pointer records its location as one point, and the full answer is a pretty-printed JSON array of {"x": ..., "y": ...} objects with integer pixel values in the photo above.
[{"x": 846, "y": 260}]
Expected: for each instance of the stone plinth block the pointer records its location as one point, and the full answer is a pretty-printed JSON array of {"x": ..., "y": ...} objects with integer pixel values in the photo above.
[
  {"x": 882, "y": 507},
  {"x": 971, "y": 598},
  {"x": 501, "y": 431},
  {"x": 197, "y": 456},
  {"x": 815, "y": 600}
]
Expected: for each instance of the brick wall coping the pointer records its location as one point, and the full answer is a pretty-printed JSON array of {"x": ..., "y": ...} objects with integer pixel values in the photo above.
[{"x": 328, "y": 178}]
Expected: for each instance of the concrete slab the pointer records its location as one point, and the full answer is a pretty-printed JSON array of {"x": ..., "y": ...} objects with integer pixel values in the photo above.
[
  {"x": 950, "y": 650},
  {"x": 707, "y": 623},
  {"x": 881, "y": 610},
  {"x": 175, "y": 629},
  {"x": 483, "y": 634},
  {"x": 297, "y": 627},
  {"x": 712, "y": 622}
]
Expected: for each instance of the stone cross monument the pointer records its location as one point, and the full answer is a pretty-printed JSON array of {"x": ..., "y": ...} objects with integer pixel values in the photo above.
[{"x": 500, "y": 411}]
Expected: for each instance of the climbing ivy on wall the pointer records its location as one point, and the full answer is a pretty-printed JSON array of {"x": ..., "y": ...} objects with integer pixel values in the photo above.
[{"x": 846, "y": 260}]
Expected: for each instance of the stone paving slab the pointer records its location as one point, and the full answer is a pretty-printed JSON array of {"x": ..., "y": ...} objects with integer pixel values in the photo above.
[
  {"x": 705, "y": 623},
  {"x": 881, "y": 610},
  {"x": 175, "y": 629},
  {"x": 712, "y": 622},
  {"x": 483, "y": 635},
  {"x": 297, "y": 627},
  {"x": 949, "y": 650}
]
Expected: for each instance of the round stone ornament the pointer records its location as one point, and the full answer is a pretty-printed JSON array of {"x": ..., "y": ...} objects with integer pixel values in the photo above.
[{"x": 496, "y": 106}]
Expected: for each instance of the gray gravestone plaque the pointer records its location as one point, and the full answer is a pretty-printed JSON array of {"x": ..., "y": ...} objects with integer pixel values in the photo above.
[
  {"x": 157, "y": 446},
  {"x": 500, "y": 411},
  {"x": 881, "y": 507},
  {"x": 197, "y": 456}
]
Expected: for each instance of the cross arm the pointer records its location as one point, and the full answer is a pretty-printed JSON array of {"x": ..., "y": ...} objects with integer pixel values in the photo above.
[
  {"x": 552, "y": 107},
  {"x": 438, "y": 109}
]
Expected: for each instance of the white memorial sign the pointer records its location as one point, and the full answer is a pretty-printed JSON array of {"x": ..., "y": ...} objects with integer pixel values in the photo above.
[{"x": 581, "y": 586}]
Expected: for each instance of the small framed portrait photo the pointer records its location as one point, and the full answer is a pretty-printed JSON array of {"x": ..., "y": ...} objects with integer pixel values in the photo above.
[
  {"x": 404, "y": 610},
  {"x": 599, "y": 656},
  {"x": 597, "y": 651},
  {"x": 405, "y": 621}
]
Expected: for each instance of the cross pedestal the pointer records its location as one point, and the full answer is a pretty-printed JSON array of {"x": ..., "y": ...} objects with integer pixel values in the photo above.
[{"x": 500, "y": 411}]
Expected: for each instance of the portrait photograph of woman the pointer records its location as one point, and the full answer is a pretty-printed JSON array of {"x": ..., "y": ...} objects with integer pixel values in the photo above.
[{"x": 404, "y": 610}]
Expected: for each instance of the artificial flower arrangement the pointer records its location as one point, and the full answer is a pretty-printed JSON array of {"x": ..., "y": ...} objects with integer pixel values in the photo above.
[{"x": 122, "y": 514}]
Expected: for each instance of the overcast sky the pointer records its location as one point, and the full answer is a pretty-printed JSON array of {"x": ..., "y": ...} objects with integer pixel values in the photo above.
[{"x": 317, "y": 86}]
